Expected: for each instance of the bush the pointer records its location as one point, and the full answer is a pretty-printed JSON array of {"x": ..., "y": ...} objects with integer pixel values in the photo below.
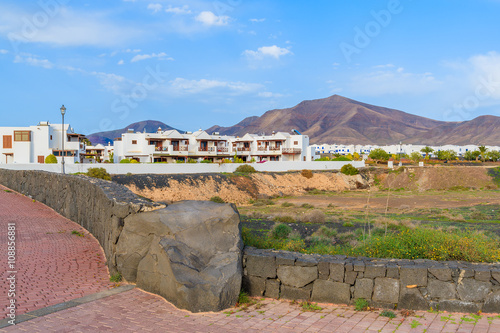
[
  {"x": 287, "y": 204},
  {"x": 206, "y": 161},
  {"x": 307, "y": 173},
  {"x": 306, "y": 205},
  {"x": 342, "y": 159},
  {"x": 217, "y": 199},
  {"x": 134, "y": 161},
  {"x": 284, "y": 219},
  {"x": 324, "y": 231},
  {"x": 348, "y": 224},
  {"x": 100, "y": 173},
  {"x": 315, "y": 216},
  {"x": 245, "y": 169},
  {"x": 349, "y": 170},
  {"x": 125, "y": 160},
  {"x": 361, "y": 304},
  {"x": 280, "y": 231},
  {"x": 50, "y": 159}
]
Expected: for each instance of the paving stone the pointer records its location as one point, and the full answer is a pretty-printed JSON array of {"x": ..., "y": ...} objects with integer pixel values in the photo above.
[{"x": 331, "y": 292}]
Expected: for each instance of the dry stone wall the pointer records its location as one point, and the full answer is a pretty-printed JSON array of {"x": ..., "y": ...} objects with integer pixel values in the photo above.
[{"x": 388, "y": 283}]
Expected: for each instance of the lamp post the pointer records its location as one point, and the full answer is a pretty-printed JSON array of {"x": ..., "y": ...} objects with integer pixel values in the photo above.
[{"x": 63, "y": 111}]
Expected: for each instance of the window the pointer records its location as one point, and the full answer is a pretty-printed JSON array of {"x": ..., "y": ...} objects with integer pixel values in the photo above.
[
  {"x": 134, "y": 142},
  {"x": 296, "y": 143},
  {"x": 51, "y": 137},
  {"x": 7, "y": 141},
  {"x": 22, "y": 136}
]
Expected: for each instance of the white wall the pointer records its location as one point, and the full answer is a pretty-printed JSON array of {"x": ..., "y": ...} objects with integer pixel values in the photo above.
[{"x": 183, "y": 168}]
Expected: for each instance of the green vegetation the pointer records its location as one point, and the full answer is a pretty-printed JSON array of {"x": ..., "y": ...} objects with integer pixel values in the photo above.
[
  {"x": 306, "y": 205},
  {"x": 361, "y": 304},
  {"x": 284, "y": 219},
  {"x": 50, "y": 159},
  {"x": 207, "y": 161},
  {"x": 116, "y": 277},
  {"x": 78, "y": 233},
  {"x": 245, "y": 169},
  {"x": 446, "y": 155},
  {"x": 100, "y": 173},
  {"x": 379, "y": 155},
  {"x": 388, "y": 313},
  {"x": 495, "y": 174},
  {"x": 134, "y": 161},
  {"x": 217, "y": 199},
  {"x": 125, "y": 160},
  {"x": 427, "y": 151},
  {"x": 342, "y": 159},
  {"x": 287, "y": 204},
  {"x": 309, "y": 306},
  {"x": 281, "y": 231},
  {"x": 415, "y": 156},
  {"x": 349, "y": 170}
]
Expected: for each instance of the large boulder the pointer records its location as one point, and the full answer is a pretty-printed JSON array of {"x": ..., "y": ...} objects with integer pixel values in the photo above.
[{"x": 189, "y": 253}]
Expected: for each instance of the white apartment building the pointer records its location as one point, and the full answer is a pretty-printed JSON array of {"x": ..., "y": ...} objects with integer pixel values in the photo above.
[
  {"x": 392, "y": 149},
  {"x": 34, "y": 143},
  {"x": 98, "y": 153},
  {"x": 171, "y": 146}
]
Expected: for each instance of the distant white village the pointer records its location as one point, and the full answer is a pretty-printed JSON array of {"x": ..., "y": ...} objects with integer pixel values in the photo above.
[{"x": 42, "y": 142}]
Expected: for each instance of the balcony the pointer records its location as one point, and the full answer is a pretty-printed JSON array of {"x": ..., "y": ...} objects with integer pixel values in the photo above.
[
  {"x": 180, "y": 148},
  {"x": 291, "y": 151},
  {"x": 243, "y": 149},
  {"x": 161, "y": 148},
  {"x": 223, "y": 150},
  {"x": 207, "y": 149}
]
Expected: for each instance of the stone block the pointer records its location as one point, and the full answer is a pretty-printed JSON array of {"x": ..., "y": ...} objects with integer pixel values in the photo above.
[
  {"x": 492, "y": 303},
  {"x": 441, "y": 290},
  {"x": 456, "y": 306},
  {"x": 331, "y": 292},
  {"x": 261, "y": 265},
  {"x": 359, "y": 266},
  {"x": 442, "y": 273},
  {"x": 297, "y": 276},
  {"x": 350, "y": 277},
  {"x": 392, "y": 272},
  {"x": 496, "y": 275},
  {"x": 412, "y": 299},
  {"x": 323, "y": 270},
  {"x": 337, "y": 271},
  {"x": 413, "y": 275},
  {"x": 285, "y": 258},
  {"x": 363, "y": 289},
  {"x": 386, "y": 290},
  {"x": 272, "y": 288},
  {"x": 254, "y": 285},
  {"x": 306, "y": 261},
  {"x": 482, "y": 275},
  {"x": 375, "y": 271},
  {"x": 288, "y": 292},
  {"x": 471, "y": 290}
]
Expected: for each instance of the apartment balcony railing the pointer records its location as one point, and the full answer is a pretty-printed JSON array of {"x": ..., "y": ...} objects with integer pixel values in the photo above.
[
  {"x": 243, "y": 149},
  {"x": 207, "y": 149},
  {"x": 180, "y": 148},
  {"x": 223, "y": 150},
  {"x": 291, "y": 150},
  {"x": 274, "y": 148},
  {"x": 161, "y": 148}
]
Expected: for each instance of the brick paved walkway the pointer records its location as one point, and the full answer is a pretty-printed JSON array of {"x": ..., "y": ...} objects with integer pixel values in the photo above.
[{"x": 53, "y": 265}]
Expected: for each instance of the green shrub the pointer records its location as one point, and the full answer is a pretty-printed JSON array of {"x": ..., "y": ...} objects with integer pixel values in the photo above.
[
  {"x": 315, "y": 216},
  {"x": 284, "y": 219},
  {"x": 361, "y": 304},
  {"x": 349, "y": 170},
  {"x": 280, "y": 231},
  {"x": 134, "y": 161},
  {"x": 245, "y": 169},
  {"x": 348, "y": 224},
  {"x": 306, "y": 205},
  {"x": 50, "y": 159},
  {"x": 125, "y": 160},
  {"x": 324, "y": 231},
  {"x": 217, "y": 199},
  {"x": 388, "y": 313},
  {"x": 116, "y": 277},
  {"x": 287, "y": 204},
  {"x": 100, "y": 173},
  {"x": 206, "y": 161},
  {"x": 342, "y": 159},
  {"x": 493, "y": 172},
  {"x": 190, "y": 160},
  {"x": 179, "y": 161},
  {"x": 307, "y": 173}
]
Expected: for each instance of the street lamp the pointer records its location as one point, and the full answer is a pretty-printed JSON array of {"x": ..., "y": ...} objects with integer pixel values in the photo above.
[{"x": 63, "y": 111}]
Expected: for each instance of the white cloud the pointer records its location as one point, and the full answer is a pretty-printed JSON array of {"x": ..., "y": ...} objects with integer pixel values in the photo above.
[
  {"x": 3, "y": 51},
  {"x": 257, "y": 20},
  {"x": 68, "y": 28},
  {"x": 181, "y": 86},
  {"x": 160, "y": 56},
  {"x": 209, "y": 18},
  {"x": 121, "y": 62},
  {"x": 268, "y": 94},
  {"x": 384, "y": 66},
  {"x": 178, "y": 10},
  {"x": 33, "y": 60},
  {"x": 155, "y": 7},
  {"x": 267, "y": 51}
]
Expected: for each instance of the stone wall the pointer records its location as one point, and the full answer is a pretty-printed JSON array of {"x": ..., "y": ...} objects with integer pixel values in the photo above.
[
  {"x": 388, "y": 283},
  {"x": 189, "y": 252}
]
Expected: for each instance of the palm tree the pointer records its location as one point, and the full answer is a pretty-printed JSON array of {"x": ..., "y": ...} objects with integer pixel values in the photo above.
[
  {"x": 427, "y": 150},
  {"x": 483, "y": 150}
]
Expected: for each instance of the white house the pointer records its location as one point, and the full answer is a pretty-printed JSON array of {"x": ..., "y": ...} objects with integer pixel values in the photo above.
[
  {"x": 34, "y": 143},
  {"x": 98, "y": 153},
  {"x": 172, "y": 146}
]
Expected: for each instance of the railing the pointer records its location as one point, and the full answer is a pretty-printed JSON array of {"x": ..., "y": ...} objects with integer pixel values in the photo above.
[
  {"x": 274, "y": 148},
  {"x": 243, "y": 149},
  {"x": 161, "y": 148},
  {"x": 209, "y": 149},
  {"x": 180, "y": 148},
  {"x": 223, "y": 150},
  {"x": 291, "y": 150}
]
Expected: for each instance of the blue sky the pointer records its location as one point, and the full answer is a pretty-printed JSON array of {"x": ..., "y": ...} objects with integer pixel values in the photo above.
[{"x": 194, "y": 64}]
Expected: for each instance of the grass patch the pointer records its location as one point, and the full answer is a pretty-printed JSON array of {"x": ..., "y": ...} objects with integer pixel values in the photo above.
[
  {"x": 361, "y": 304},
  {"x": 287, "y": 204},
  {"x": 307, "y": 206},
  {"x": 309, "y": 306},
  {"x": 388, "y": 314},
  {"x": 78, "y": 233},
  {"x": 116, "y": 277},
  {"x": 217, "y": 199}
]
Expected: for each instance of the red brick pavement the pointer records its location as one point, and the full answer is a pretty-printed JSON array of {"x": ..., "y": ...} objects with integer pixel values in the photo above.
[
  {"x": 139, "y": 311},
  {"x": 53, "y": 265}
]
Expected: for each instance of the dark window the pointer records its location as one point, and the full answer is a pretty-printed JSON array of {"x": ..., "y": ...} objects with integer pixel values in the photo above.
[
  {"x": 295, "y": 142},
  {"x": 7, "y": 141},
  {"x": 134, "y": 142}
]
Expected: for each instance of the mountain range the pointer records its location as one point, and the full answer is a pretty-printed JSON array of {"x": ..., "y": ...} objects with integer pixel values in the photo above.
[{"x": 341, "y": 120}]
